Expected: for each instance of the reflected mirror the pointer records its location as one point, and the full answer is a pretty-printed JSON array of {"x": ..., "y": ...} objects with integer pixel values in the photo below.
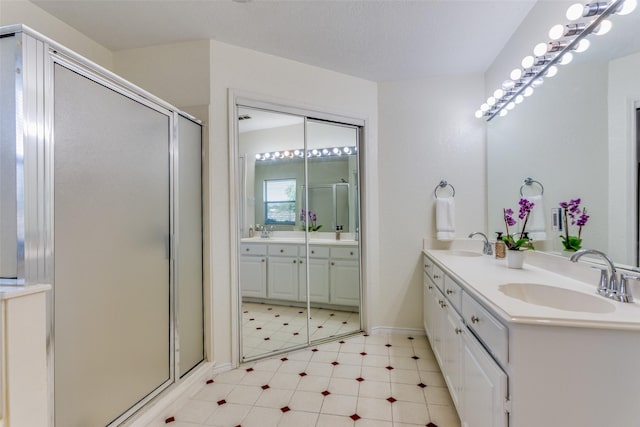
[
  {"x": 299, "y": 263},
  {"x": 576, "y": 135}
]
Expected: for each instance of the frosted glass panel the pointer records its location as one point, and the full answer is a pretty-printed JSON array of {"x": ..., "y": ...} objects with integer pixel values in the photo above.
[
  {"x": 8, "y": 211},
  {"x": 111, "y": 286},
  {"x": 189, "y": 282}
]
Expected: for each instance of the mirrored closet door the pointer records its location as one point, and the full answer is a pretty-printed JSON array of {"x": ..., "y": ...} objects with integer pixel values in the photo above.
[{"x": 299, "y": 260}]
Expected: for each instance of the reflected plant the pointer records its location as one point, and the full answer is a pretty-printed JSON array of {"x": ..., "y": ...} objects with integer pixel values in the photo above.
[
  {"x": 313, "y": 218},
  {"x": 571, "y": 211}
]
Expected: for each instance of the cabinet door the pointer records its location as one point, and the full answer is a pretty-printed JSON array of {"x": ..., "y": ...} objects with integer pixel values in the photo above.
[
  {"x": 319, "y": 274},
  {"x": 485, "y": 388},
  {"x": 345, "y": 283},
  {"x": 282, "y": 278},
  {"x": 253, "y": 276},
  {"x": 453, "y": 344},
  {"x": 438, "y": 317}
]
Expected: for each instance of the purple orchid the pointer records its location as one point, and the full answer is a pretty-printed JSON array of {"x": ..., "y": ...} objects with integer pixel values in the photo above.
[
  {"x": 576, "y": 216},
  {"x": 523, "y": 241}
]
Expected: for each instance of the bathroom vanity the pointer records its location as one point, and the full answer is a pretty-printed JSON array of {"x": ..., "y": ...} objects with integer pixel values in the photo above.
[
  {"x": 274, "y": 270},
  {"x": 530, "y": 347}
]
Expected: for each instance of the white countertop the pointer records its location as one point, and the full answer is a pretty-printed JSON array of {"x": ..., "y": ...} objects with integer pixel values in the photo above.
[
  {"x": 299, "y": 241},
  {"x": 483, "y": 275},
  {"x": 8, "y": 292}
]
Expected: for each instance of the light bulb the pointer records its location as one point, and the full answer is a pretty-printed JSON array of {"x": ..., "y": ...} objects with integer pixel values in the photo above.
[
  {"x": 347, "y": 150},
  {"x": 556, "y": 32},
  {"x": 325, "y": 151},
  {"x": 603, "y": 28},
  {"x": 336, "y": 150},
  {"x": 627, "y": 7},
  {"x": 566, "y": 58},
  {"x": 499, "y": 93},
  {"x": 315, "y": 152},
  {"x": 575, "y": 11},
  {"x": 297, "y": 152},
  {"x": 503, "y": 113},
  {"x": 508, "y": 84},
  {"x": 491, "y": 100},
  {"x": 258, "y": 156},
  {"x": 528, "y": 91},
  {"x": 479, "y": 114},
  {"x": 540, "y": 49},
  {"x": 484, "y": 107},
  {"x": 267, "y": 155},
  {"x": 527, "y": 62},
  {"x": 287, "y": 153},
  {"x": 516, "y": 74},
  {"x": 519, "y": 99},
  {"x": 552, "y": 71},
  {"x": 537, "y": 82},
  {"x": 583, "y": 45},
  {"x": 511, "y": 105}
]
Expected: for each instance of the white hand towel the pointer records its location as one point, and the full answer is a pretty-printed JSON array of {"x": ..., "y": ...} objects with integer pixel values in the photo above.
[
  {"x": 445, "y": 218},
  {"x": 536, "y": 225}
]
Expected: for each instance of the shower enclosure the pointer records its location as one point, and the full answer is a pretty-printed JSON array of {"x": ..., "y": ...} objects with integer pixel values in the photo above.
[{"x": 101, "y": 198}]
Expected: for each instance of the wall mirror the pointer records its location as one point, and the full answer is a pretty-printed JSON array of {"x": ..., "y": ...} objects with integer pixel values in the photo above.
[
  {"x": 299, "y": 237},
  {"x": 577, "y": 136}
]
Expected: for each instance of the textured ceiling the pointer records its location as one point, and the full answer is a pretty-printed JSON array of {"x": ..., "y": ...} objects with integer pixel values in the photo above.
[{"x": 374, "y": 39}]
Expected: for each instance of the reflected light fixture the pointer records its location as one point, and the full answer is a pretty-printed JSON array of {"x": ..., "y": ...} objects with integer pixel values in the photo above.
[
  {"x": 300, "y": 153},
  {"x": 565, "y": 39}
]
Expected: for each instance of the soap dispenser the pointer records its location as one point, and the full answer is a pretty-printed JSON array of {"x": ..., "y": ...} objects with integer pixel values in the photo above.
[{"x": 501, "y": 249}]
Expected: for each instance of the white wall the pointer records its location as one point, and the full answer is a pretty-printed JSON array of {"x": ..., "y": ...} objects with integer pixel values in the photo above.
[
  {"x": 292, "y": 83},
  {"x": 427, "y": 133},
  {"x": 25, "y": 12}
]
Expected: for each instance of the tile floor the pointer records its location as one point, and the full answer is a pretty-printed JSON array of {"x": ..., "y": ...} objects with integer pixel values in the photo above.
[
  {"x": 270, "y": 328},
  {"x": 361, "y": 381}
]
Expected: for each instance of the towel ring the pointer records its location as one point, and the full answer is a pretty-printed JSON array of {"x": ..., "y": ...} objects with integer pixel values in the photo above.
[
  {"x": 531, "y": 181},
  {"x": 444, "y": 184}
]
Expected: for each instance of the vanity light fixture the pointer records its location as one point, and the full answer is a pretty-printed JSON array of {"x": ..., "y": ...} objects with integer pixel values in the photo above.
[
  {"x": 564, "y": 40},
  {"x": 299, "y": 153}
]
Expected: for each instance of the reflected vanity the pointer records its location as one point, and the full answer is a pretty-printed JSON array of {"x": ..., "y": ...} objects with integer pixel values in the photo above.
[{"x": 299, "y": 261}]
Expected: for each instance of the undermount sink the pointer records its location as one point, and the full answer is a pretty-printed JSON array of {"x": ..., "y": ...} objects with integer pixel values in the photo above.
[
  {"x": 463, "y": 253},
  {"x": 554, "y": 297}
]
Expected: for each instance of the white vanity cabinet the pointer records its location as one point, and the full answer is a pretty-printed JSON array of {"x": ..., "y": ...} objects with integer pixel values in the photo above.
[
  {"x": 282, "y": 272},
  {"x": 253, "y": 270},
  {"x": 344, "y": 276},
  {"x": 476, "y": 382},
  {"x": 318, "y": 272}
]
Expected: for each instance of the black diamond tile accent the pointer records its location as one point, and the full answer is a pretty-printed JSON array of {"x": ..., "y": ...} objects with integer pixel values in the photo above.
[
  {"x": 285, "y": 409},
  {"x": 415, "y": 357},
  {"x": 277, "y": 315},
  {"x": 300, "y": 312},
  {"x": 335, "y": 363},
  {"x": 209, "y": 381},
  {"x": 359, "y": 379},
  {"x": 252, "y": 319},
  {"x": 326, "y": 393},
  {"x": 270, "y": 308},
  {"x": 169, "y": 420},
  {"x": 267, "y": 339},
  {"x": 363, "y": 354},
  {"x": 266, "y": 386},
  {"x": 296, "y": 333},
  {"x": 303, "y": 374},
  {"x": 340, "y": 342},
  {"x": 221, "y": 402},
  {"x": 366, "y": 335},
  {"x": 245, "y": 312},
  {"x": 387, "y": 345},
  {"x": 249, "y": 369},
  {"x": 391, "y": 399},
  {"x": 314, "y": 350},
  {"x": 409, "y": 338},
  {"x": 389, "y": 367},
  {"x": 285, "y": 324},
  {"x": 421, "y": 385},
  {"x": 355, "y": 417},
  {"x": 320, "y": 327},
  {"x": 284, "y": 359},
  {"x": 344, "y": 323},
  {"x": 432, "y": 425},
  {"x": 259, "y": 328},
  {"x": 332, "y": 314}
]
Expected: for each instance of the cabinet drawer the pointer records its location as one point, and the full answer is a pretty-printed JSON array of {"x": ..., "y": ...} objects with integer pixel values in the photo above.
[
  {"x": 253, "y": 249},
  {"x": 283, "y": 250},
  {"x": 428, "y": 265},
  {"x": 453, "y": 292},
  {"x": 438, "y": 277},
  {"x": 492, "y": 333},
  {"x": 315, "y": 251},
  {"x": 345, "y": 253}
]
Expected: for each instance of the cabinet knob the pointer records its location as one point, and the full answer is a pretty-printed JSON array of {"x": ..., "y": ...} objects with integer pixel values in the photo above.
[
  {"x": 247, "y": 249},
  {"x": 313, "y": 252},
  {"x": 449, "y": 292},
  {"x": 294, "y": 261},
  {"x": 333, "y": 263},
  {"x": 262, "y": 259},
  {"x": 458, "y": 331},
  {"x": 351, "y": 253},
  {"x": 300, "y": 261},
  {"x": 475, "y": 319},
  {"x": 281, "y": 251},
  {"x": 435, "y": 276},
  {"x": 430, "y": 287}
]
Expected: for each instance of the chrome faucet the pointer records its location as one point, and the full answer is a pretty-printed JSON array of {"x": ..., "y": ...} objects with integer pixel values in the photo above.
[
  {"x": 609, "y": 285},
  {"x": 486, "y": 249}
]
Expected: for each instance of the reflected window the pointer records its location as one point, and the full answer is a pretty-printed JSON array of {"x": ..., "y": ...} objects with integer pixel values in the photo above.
[{"x": 280, "y": 201}]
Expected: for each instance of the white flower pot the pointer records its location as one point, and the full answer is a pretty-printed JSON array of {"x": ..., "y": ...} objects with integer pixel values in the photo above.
[{"x": 515, "y": 259}]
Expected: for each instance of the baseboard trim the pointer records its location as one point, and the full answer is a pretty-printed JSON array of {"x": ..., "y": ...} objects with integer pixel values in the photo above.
[
  {"x": 166, "y": 405},
  {"x": 390, "y": 330}
]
